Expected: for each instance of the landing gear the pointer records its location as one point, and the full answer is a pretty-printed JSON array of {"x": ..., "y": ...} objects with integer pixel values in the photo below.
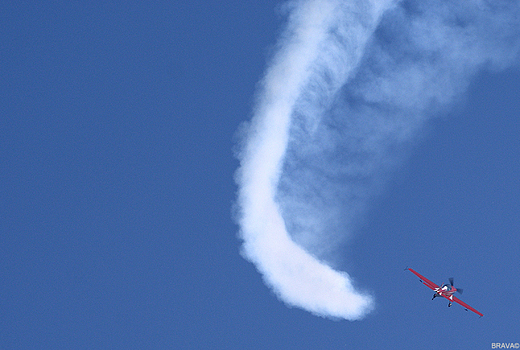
[
  {"x": 449, "y": 304},
  {"x": 435, "y": 295}
]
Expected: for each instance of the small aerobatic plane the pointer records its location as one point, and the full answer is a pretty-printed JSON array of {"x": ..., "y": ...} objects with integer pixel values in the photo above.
[{"x": 446, "y": 290}]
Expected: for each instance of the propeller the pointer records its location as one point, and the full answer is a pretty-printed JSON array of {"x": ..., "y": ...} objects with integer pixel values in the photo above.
[{"x": 460, "y": 290}]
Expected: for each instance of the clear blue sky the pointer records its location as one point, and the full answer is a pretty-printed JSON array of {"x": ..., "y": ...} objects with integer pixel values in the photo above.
[{"x": 116, "y": 152}]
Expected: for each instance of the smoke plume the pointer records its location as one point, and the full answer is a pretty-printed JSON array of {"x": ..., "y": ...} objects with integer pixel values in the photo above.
[{"x": 349, "y": 87}]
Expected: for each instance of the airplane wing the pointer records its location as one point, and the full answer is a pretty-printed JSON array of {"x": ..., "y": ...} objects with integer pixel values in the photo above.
[
  {"x": 458, "y": 301},
  {"x": 424, "y": 280}
]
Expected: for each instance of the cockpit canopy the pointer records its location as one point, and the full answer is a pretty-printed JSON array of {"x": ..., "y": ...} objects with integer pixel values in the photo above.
[{"x": 446, "y": 287}]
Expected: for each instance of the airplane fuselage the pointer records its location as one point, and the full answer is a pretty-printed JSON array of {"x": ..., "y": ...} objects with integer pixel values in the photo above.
[{"x": 445, "y": 291}]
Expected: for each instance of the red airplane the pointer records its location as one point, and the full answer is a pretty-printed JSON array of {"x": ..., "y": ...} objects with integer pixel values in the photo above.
[{"x": 446, "y": 290}]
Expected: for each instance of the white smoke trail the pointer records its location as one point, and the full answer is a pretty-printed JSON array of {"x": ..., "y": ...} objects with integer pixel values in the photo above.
[{"x": 351, "y": 83}]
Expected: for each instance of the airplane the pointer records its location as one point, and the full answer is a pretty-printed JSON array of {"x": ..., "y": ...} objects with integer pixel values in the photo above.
[{"x": 446, "y": 290}]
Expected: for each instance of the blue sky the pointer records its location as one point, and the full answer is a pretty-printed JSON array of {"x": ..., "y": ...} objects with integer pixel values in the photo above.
[{"x": 119, "y": 124}]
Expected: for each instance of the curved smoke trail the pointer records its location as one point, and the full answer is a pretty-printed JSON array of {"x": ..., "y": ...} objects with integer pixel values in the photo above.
[{"x": 350, "y": 84}]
